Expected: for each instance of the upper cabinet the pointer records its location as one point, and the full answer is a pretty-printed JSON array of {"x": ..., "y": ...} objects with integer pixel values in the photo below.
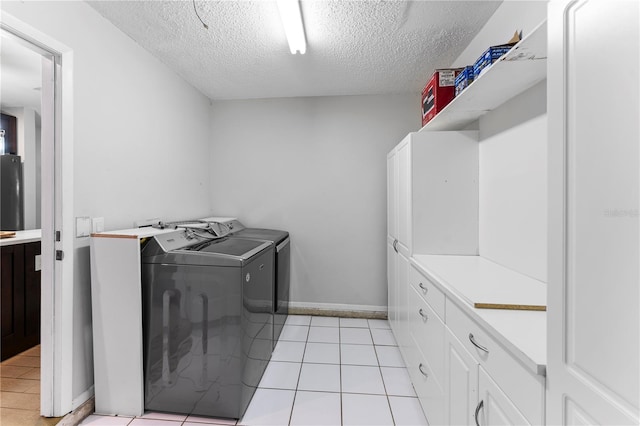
[{"x": 520, "y": 69}]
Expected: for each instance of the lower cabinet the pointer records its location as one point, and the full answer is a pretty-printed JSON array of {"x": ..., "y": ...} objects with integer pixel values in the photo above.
[
  {"x": 495, "y": 407},
  {"x": 461, "y": 382},
  {"x": 428, "y": 389},
  {"x": 20, "y": 287},
  {"x": 461, "y": 374}
]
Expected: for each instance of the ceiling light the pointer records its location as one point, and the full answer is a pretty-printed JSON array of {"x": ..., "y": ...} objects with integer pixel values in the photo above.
[{"x": 292, "y": 22}]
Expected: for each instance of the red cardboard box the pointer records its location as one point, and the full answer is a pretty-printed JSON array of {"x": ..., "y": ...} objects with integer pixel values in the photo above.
[{"x": 438, "y": 92}]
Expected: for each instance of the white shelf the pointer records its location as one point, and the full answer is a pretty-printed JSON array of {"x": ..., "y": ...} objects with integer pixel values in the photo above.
[{"x": 521, "y": 68}]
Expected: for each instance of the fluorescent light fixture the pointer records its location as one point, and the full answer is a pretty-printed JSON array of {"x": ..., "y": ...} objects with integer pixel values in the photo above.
[{"x": 292, "y": 22}]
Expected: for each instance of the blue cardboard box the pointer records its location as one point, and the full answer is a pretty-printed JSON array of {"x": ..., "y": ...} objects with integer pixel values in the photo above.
[
  {"x": 464, "y": 79},
  {"x": 490, "y": 56}
]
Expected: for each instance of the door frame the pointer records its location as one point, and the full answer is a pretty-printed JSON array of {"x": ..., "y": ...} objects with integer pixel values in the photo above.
[{"x": 57, "y": 279}]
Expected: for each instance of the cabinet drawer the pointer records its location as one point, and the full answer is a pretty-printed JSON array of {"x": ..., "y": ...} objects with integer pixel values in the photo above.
[
  {"x": 429, "y": 390},
  {"x": 428, "y": 332},
  {"x": 524, "y": 388},
  {"x": 427, "y": 290}
]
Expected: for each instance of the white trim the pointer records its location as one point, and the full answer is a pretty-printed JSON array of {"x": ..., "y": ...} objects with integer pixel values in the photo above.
[
  {"x": 339, "y": 307},
  {"x": 82, "y": 398},
  {"x": 57, "y": 277}
]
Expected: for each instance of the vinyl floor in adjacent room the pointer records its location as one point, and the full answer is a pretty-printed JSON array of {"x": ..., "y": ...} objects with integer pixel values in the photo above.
[
  {"x": 324, "y": 371},
  {"x": 20, "y": 391}
]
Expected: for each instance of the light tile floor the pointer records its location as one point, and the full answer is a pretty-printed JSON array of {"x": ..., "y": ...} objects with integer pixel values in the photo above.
[{"x": 324, "y": 371}]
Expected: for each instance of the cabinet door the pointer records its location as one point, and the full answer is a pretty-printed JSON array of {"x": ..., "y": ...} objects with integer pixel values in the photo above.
[
  {"x": 12, "y": 299},
  {"x": 402, "y": 336},
  {"x": 594, "y": 251},
  {"x": 495, "y": 408},
  {"x": 461, "y": 382},
  {"x": 32, "y": 295},
  {"x": 392, "y": 285},
  {"x": 404, "y": 196}
]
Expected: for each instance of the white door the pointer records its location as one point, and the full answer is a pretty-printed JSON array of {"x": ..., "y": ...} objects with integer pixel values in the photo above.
[
  {"x": 57, "y": 215},
  {"x": 593, "y": 113}
]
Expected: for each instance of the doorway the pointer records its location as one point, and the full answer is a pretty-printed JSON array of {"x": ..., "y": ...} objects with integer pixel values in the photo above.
[{"x": 55, "y": 189}]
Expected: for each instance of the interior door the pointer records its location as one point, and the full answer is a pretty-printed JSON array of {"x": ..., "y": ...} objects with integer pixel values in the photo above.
[{"x": 593, "y": 321}]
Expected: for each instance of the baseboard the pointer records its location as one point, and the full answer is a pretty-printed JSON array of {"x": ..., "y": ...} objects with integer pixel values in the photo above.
[
  {"x": 338, "y": 310},
  {"x": 83, "y": 406}
]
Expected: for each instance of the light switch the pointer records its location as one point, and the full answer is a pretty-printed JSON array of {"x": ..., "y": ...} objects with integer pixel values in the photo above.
[
  {"x": 83, "y": 226},
  {"x": 97, "y": 224}
]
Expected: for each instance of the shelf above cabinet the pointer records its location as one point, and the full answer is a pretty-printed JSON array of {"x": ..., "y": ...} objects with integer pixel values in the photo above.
[{"x": 521, "y": 68}]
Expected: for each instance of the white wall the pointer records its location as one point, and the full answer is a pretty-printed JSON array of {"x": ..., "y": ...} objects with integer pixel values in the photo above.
[
  {"x": 315, "y": 167},
  {"x": 513, "y": 156},
  {"x": 513, "y": 184},
  {"x": 141, "y": 141}
]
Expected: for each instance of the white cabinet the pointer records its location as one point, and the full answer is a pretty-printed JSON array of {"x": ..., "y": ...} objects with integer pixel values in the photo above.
[
  {"x": 431, "y": 178},
  {"x": 495, "y": 407},
  {"x": 594, "y": 250},
  {"x": 524, "y": 388},
  {"x": 392, "y": 282},
  {"x": 404, "y": 195},
  {"x": 402, "y": 329},
  {"x": 461, "y": 384},
  {"x": 116, "y": 299},
  {"x": 432, "y": 187}
]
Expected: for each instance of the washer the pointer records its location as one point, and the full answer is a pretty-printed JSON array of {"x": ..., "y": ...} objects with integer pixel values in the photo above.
[
  {"x": 207, "y": 321},
  {"x": 282, "y": 269}
]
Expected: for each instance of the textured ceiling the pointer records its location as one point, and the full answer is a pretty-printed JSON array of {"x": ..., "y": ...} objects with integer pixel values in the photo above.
[{"x": 353, "y": 47}]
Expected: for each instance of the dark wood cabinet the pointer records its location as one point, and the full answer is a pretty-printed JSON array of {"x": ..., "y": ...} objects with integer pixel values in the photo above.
[{"x": 19, "y": 298}]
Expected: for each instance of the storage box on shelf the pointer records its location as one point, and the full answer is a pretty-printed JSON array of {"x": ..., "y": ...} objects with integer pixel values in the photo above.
[{"x": 438, "y": 92}]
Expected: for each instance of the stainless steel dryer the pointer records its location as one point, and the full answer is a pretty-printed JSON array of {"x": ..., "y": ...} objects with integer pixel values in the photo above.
[
  {"x": 282, "y": 270},
  {"x": 207, "y": 321}
]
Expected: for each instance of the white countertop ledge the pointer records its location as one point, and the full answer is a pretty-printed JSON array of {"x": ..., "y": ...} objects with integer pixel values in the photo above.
[
  {"x": 469, "y": 279},
  {"x": 22, "y": 237}
]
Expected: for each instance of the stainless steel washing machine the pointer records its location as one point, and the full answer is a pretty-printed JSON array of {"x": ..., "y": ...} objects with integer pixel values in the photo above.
[{"x": 207, "y": 321}]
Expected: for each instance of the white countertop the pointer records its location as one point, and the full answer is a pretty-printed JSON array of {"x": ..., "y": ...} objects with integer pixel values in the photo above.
[
  {"x": 22, "y": 237},
  {"x": 467, "y": 279}
]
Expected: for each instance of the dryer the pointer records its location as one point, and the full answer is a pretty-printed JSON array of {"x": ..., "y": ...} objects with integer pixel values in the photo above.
[
  {"x": 207, "y": 321},
  {"x": 282, "y": 269}
]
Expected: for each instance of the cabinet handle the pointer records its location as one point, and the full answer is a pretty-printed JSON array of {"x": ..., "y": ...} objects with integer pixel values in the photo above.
[
  {"x": 395, "y": 245},
  {"x": 422, "y": 314},
  {"x": 425, "y": 289},
  {"x": 422, "y": 371},
  {"x": 478, "y": 408},
  {"x": 473, "y": 340}
]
